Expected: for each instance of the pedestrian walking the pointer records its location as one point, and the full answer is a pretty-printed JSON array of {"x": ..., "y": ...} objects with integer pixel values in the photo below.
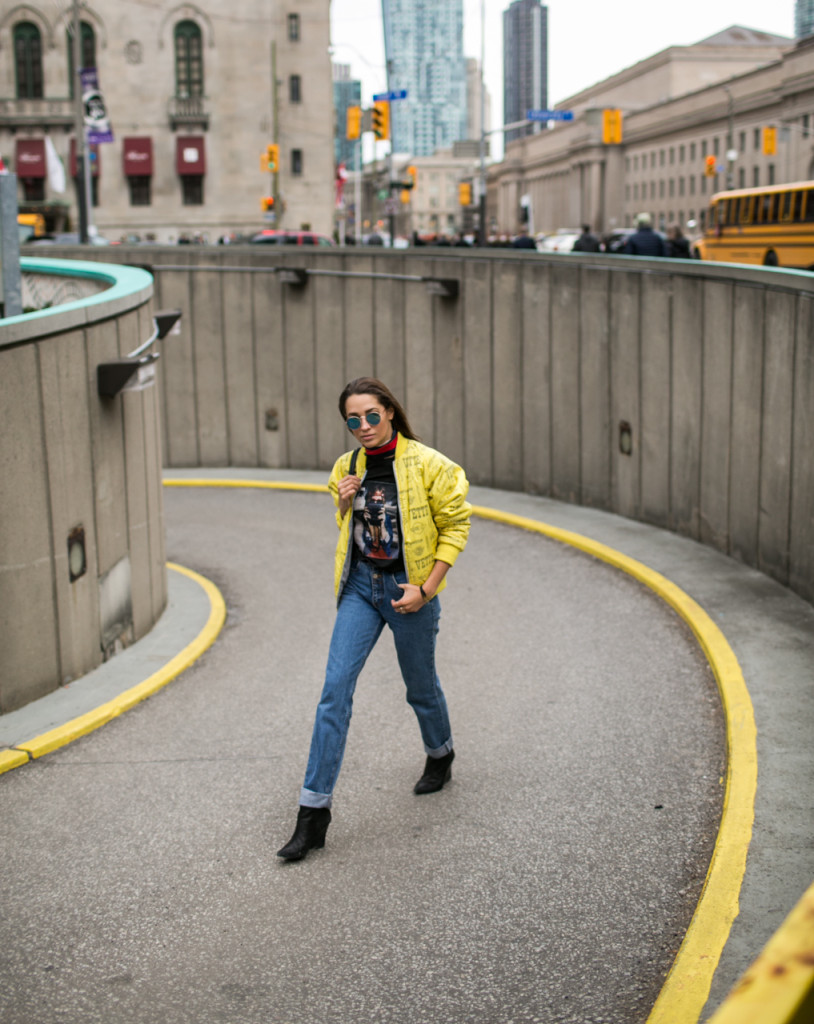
[
  {"x": 403, "y": 520},
  {"x": 678, "y": 247},
  {"x": 644, "y": 241},
  {"x": 587, "y": 241}
]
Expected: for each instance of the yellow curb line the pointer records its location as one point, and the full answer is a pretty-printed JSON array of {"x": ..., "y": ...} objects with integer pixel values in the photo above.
[
  {"x": 686, "y": 988},
  {"x": 86, "y": 723}
]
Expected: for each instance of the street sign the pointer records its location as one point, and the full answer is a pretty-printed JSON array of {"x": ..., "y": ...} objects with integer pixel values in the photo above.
[
  {"x": 388, "y": 97},
  {"x": 549, "y": 115}
]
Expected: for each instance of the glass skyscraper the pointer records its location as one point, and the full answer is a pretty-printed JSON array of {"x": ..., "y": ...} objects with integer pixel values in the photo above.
[
  {"x": 803, "y": 18},
  {"x": 423, "y": 41},
  {"x": 525, "y": 63},
  {"x": 347, "y": 93}
]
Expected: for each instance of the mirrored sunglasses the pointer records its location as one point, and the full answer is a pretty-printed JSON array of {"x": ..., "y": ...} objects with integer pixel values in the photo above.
[{"x": 373, "y": 419}]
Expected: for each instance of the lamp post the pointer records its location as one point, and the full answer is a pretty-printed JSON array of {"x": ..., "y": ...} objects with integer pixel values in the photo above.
[
  {"x": 482, "y": 177},
  {"x": 82, "y": 168}
]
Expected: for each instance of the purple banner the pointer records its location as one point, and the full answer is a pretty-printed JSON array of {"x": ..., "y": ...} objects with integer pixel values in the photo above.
[{"x": 97, "y": 123}]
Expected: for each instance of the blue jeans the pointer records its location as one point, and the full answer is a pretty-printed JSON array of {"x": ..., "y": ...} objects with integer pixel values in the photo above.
[{"x": 363, "y": 611}]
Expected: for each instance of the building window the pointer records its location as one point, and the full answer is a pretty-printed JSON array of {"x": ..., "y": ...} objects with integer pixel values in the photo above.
[
  {"x": 703, "y": 184},
  {"x": 653, "y": 158},
  {"x": 294, "y": 89},
  {"x": 755, "y": 177},
  {"x": 140, "y": 189},
  {"x": 716, "y": 146},
  {"x": 28, "y": 61},
  {"x": 741, "y": 177},
  {"x": 87, "y": 52},
  {"x": 189, "y": 80},
  {"x": 192, "y": 189},
  {"x": 805, "y": 126},
  {"x": 742, "y": 143},
  {"x": 296, "y": 161},
  {"x": 627, "y": 193},
  {"x": 672, "y": 189},
  {"x": 681, "y": 186},
  {"x": 661, "y": 158},
  {"x": 635, "y": 163},
  {"x": 756, "y": 140},
  {"x": 661, "y": 189},
  {"x": 681, "y": 152},
  {"x": 34, "y": 189},
  {"x": 692, "y": 184},
  {"x": 672, "y": 157},
  {"x": 293, "y": 28},
  {"x": 692, "y": 151},
  {"x": 703, "y": 149},
  {"x": 635, "y": 192},
  {"x": 771, "y": 174}
]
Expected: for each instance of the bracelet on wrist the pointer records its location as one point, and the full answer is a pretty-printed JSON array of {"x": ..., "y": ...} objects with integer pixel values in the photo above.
[{"x": 423, "y": 592}]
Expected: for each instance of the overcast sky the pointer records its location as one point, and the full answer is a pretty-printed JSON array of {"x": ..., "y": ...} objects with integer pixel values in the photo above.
[{"x": 587, "y": 39}]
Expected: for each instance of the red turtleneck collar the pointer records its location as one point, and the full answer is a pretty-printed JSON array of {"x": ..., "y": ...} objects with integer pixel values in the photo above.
[{"x": 385, "y": 448}]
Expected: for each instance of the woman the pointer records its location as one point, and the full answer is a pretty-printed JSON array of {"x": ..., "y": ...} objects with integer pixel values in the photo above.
[{"x": 403, "y": 520}]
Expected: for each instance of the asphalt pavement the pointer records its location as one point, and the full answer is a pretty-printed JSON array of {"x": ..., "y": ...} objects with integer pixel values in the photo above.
[{"x": 553, "y": 880}]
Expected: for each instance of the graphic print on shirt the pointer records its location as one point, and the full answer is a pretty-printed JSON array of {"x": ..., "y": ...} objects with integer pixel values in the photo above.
[{"x": 376, "y": 521}]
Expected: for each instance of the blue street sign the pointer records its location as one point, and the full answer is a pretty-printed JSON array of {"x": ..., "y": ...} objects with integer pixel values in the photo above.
[
  {"x": 549, "y": 115},
  {"x": 387, "y": 97}
]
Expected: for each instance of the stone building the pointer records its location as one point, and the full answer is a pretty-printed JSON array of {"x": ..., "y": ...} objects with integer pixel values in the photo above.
[
  {"x": 679, "y": 106},
  {"x": 195, "y": 92}
]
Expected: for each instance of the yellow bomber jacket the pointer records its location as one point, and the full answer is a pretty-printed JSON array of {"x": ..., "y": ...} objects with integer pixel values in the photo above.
[{"x": 432, "y": 502}]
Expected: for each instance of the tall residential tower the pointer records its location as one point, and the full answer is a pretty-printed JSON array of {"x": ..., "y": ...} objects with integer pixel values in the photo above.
[
  {"x": 423, "y": 42},
  {"x": 525, "y": 62}
]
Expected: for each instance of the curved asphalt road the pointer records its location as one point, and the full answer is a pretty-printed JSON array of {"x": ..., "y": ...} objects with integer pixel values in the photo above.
[{"x": 552, "y": 880}]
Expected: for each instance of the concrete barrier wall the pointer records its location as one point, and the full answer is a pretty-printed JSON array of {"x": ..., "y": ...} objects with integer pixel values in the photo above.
[
  {"x": 525, "y": 378},
  {"x": 70, "y": 460}
]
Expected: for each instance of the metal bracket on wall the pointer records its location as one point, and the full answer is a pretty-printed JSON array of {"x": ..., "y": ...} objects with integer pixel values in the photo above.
[{"x": 111, "y": 378}]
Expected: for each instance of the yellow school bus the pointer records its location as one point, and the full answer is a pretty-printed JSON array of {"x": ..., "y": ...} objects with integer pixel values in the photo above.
[{"x": 772, "y": 226}]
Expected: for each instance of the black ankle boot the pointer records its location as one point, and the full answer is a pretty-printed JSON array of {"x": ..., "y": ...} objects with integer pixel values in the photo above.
[
  {"x": 437, "y": 771},
  {"x": 312, "y": 824}
]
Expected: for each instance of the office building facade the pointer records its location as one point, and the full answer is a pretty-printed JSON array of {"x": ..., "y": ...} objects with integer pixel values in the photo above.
[
  {"x": 424, "y": 51},
  {"x": 525, "y": 63},
  {"x": 717, "y": 96},
  {"x": 194, "y": 94}
]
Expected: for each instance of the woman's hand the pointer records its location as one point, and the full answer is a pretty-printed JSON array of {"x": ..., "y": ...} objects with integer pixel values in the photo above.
[
  {"x": 347, "y": 488},
  {"x": 411, "y": 598}
]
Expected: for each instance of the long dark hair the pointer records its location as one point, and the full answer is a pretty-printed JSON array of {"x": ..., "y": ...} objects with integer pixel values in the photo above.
[{"x": 372, "y": 386}]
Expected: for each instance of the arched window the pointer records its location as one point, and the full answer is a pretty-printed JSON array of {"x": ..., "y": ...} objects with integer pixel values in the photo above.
[
  {"x": 188, "y": 60},
  {"x": 87, "y": 55},
  {"x": 28, "y": 61}
]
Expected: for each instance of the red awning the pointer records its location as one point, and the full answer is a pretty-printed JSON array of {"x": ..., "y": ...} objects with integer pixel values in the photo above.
[
  {"x": 190, "y": 154},
  {"x": 95, "y": 163},
  {"x": 138, "y": 156},
  {"x": 29, "y": 159}
]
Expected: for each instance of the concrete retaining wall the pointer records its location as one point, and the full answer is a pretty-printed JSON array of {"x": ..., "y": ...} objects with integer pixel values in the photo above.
[
  {"x": 526, "y": 378},
  {"x": 70, "y": 460}
]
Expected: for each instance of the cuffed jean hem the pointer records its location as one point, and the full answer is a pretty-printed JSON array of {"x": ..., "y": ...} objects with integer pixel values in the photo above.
[
  {"x": 439, "y": 751},
  {"x": 308, "y": 798}
]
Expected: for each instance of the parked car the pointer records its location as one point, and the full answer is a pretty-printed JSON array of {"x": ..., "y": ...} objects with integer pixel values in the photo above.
[
  {"x": 67, "y": 238},
  {"x": 561, "y": 241},
  {"x": 273, "y": 237}
]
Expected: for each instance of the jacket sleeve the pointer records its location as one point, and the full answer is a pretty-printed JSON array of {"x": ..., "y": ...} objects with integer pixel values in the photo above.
[
  {"x": 340, "y": 470},
  {"x": 447, "y": 488}
]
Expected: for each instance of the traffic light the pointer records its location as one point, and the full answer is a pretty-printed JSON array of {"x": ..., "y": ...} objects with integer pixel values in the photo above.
[
  {"x": 353, "y": 123},
  {"x": 412, "y": 174},
  {"x": 381, "y": 119},
  {"x": 709, "y": 166},
  {"x": 769, "y": 140},
  {"x": 611, "y": 126},
  {"x": 267, "y": 203},
  {"x": 465, "y": 193},
  {"x": 272, "y": 157}
]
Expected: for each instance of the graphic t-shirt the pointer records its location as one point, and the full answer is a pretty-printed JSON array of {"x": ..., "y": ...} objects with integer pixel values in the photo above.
[{"x": 376, "y": 523}]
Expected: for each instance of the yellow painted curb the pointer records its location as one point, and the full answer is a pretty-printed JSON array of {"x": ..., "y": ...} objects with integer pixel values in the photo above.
[
  {"x": 12, "y": 759},
  {"x": 687, "y": 986},
  {"x": 779, "y": 986},
  {"x": 86, "y": 723},
  {"x": 686, "y": 989}
]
